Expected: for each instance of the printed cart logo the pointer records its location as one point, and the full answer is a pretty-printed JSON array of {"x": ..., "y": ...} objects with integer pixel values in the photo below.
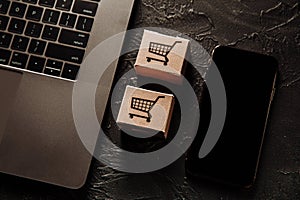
[
  {"x": 161, "y": 50},
  {"x": 143, "y": 105}
]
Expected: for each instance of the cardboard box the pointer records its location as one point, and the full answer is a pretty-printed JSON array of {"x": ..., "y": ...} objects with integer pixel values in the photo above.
[
  {"x": 162, "y": 57},
  {"x": 146, "y": 112}
]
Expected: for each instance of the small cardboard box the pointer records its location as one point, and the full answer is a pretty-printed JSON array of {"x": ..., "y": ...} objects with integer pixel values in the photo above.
[
  {"x": 162, "y": 57},
  {"x": 146, "y": 112}
]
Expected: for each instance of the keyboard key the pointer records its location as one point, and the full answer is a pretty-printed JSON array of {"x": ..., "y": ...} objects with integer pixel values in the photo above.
[
  {"x": 34, "y": 13},
  {"x": 20, "y": 43},
  {"x": 5, "y": 39},
  {"x": 3, "y": 22},
  {"x": 50, "y": 33},
  {"x": 85, "y": 7},
  {"x": 51, "y": 16},
  {"x": 30, "y": 1},
  {"x": 4, "y": 5},
  {"x": 64, "y": 4},
  {"x": 84, "y": 24},
  {"x": 70, "y": 71},
  {"x": 73, "y": 38},
  {"x": 19, "y": 60},
  {"x": 33, "y": 29},
  {"x": 60, "y": 52},
  {"x": 16, "y": 26},
  {"x": 52, "y": 71},
  {"x": 37, "y": 47},
  {"x": 54, "y": 64},
  {"x": 4, "y": 56},
  {"x": 36, "y": 64},
  {"x": 53, "y": 67},
  {"x": 67, "y": 20},
  {"x": 47, "y": 3},
  {"x": 17, "y": 9}
]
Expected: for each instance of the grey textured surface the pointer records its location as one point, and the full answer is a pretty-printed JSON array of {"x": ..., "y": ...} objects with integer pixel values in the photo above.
[{"x": 271, "y": 27}]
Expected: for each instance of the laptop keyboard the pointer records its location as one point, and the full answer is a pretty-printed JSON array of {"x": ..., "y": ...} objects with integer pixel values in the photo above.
[{"x": 46, "y": 36}]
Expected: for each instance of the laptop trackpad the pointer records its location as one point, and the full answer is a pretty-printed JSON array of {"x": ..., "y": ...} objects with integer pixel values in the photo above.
[{"x": 9, "y": 84}]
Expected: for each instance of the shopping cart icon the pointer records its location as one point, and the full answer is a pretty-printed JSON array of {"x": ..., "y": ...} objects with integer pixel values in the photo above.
[
  {"x": 161, "y": 50},
  {"x": 143, "y": 105}
]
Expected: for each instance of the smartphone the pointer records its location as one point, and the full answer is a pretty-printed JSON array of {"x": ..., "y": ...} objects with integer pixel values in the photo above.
[{"x": 249, "y": 79}]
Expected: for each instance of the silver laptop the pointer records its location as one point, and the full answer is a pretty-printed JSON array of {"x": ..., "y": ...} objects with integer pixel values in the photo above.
[{"x": 42, "y": 45}]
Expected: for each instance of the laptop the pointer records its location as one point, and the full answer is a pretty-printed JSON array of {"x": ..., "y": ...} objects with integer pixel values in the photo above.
[{"x": 42, "y": 45}]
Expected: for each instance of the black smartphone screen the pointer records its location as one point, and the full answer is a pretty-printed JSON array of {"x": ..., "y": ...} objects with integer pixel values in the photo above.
[{"x": 249, "y": 80}]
